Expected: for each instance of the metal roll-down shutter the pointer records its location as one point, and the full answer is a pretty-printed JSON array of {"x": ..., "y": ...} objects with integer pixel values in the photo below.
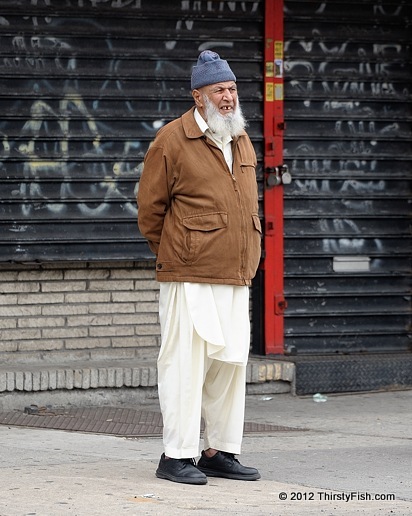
[
  {"x": 84, "y": 87},
  {"x": 348, "y": 76}
]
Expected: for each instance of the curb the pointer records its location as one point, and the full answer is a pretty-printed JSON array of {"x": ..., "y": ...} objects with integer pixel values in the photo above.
[{"x": 263, "y": 374}]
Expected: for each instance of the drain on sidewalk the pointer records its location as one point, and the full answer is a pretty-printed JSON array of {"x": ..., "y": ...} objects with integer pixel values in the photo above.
[{"x": 121, "y": 422}]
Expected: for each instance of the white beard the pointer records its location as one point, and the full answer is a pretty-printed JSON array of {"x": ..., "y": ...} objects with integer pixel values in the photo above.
[{"x": 231, "y": 124}]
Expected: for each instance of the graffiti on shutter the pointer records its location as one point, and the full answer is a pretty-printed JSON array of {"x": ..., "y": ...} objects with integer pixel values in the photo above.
[
  {"x": 85, "y": 85},
  {"x": 348, "y": 145}
]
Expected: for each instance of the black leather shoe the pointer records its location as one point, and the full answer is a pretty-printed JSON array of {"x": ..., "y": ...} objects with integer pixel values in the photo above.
[
  {"x": 180, "y": 470},
  {"x": 225, "y": 465}
]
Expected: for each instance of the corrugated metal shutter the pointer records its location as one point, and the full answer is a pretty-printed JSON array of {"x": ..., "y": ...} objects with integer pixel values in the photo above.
[
  {"x": 348, "y": 145},
  {"x": 84, "y": 87}
]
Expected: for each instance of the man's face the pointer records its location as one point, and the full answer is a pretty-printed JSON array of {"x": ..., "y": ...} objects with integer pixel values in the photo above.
[
  {"x": 219, "y": 105},
  {"x": 223, "y": 95}
]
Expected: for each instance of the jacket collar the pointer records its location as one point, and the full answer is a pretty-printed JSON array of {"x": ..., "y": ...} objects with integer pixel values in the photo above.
[{"x": 190, "y": 126}]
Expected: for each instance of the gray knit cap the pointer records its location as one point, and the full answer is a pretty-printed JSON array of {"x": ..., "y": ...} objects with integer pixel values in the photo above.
[{"x": 210, "y": 69}]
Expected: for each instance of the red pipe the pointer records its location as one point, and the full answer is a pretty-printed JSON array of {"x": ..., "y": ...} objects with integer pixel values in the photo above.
[{"x": 274, "y": 301}]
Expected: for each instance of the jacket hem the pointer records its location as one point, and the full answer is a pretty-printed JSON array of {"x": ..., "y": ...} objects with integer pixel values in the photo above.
[{"x": 213, "y": 281}]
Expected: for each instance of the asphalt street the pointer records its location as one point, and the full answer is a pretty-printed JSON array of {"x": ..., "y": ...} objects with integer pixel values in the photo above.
[{"x": 351, "y": 454}]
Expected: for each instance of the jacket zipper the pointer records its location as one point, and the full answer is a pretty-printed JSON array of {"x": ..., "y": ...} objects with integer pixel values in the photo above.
[
  {"x": 242, "y": 214},
  {"x": 242, "y": 230}
]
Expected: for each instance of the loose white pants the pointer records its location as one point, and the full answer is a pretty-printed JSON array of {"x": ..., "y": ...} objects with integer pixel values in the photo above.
[{"x": 198, "y": 376}]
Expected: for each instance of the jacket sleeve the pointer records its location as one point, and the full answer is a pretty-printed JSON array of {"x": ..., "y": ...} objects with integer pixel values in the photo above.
[{"x": 153, "y": 196}]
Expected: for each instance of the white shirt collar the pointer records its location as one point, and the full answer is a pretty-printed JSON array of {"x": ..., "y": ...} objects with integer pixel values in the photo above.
[{"x": 201, "y": 122}]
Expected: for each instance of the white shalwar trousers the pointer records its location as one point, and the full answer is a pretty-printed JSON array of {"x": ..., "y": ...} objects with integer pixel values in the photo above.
[{"x": 202, "y": 366}]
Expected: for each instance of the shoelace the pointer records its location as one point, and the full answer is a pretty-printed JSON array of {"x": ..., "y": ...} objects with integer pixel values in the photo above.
[
  {"x": 229, "y": 455},
  {"x": 189, "y": 461}
]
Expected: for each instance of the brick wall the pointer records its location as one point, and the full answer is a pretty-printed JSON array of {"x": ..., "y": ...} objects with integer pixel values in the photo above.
[
  {"x": 61, "y": 313},
  {"x": 70, "y": 328}
]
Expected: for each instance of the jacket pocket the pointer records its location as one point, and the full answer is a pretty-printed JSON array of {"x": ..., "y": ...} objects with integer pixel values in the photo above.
[
  {"x": 247, "y": 167},
  {"x": 255, "y": 244},
  {"x": 256, "y": 223},
  {"x": 200, "y": 231}
]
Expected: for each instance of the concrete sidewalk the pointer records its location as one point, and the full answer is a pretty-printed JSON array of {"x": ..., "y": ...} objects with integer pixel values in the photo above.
[{"x": 350, "y": 450}]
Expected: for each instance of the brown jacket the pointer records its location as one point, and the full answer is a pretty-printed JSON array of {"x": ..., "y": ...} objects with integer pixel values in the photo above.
[{"x": 200, "y": 220}]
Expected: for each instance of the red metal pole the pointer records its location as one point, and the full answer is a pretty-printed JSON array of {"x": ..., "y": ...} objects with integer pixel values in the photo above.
[{"x": 274, "y": 301}]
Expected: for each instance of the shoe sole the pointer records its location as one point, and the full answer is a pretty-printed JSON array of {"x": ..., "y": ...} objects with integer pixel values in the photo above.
[
  {"x": 232, "y": 476},
  {"x": 182, "y": 480}
]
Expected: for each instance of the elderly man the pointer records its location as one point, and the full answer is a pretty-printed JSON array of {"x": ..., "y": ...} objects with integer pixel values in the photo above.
[{"x": 198, "y": 209}]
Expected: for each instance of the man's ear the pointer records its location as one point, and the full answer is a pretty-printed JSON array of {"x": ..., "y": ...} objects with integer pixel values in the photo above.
[{"x": 197, "y": 97}]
